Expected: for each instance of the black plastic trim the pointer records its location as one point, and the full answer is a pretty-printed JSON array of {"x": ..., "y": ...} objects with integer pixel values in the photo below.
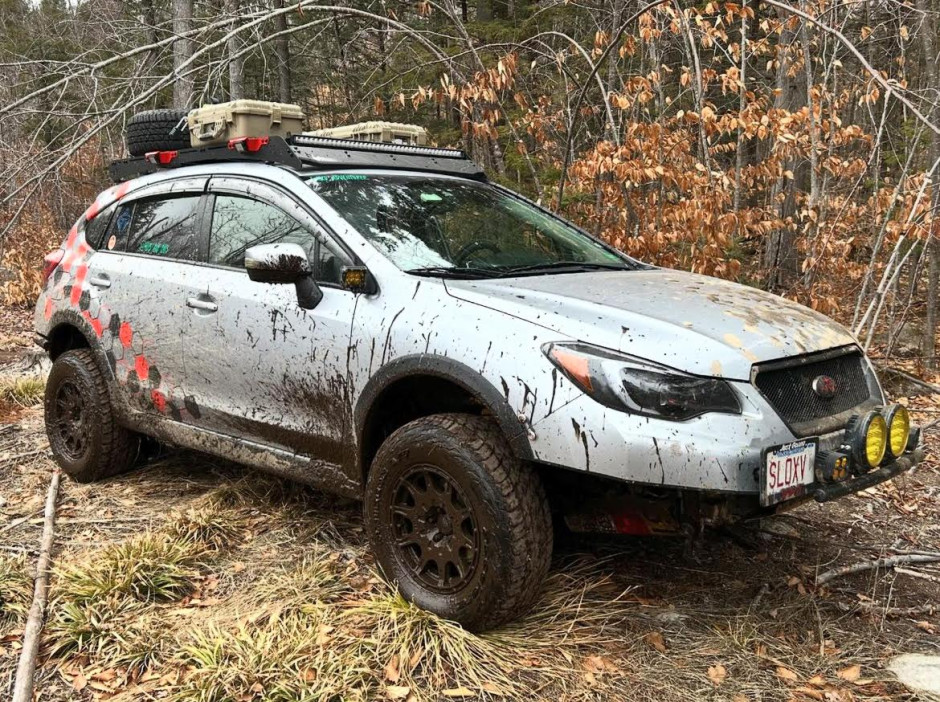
[
  {"x": 825, "y": 493},
  {"x": 447, "y": 369}
]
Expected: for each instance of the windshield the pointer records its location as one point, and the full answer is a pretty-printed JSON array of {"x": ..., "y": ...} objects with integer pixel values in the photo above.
[{"x": 440, "y": 226}]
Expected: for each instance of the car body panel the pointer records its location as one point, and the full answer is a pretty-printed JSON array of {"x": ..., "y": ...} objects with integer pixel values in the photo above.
[
  {"x": 694, "y": 323},
  {"x": 264, "y": 382}
]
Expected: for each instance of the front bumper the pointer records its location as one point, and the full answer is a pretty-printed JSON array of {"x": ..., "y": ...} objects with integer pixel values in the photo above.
[{"x": 833, "y": 491}]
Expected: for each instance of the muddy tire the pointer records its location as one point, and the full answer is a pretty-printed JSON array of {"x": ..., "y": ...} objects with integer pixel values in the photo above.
[
  {"x": 457, "y": 522},
  {"x": 85, "y": 438},
  {"x": 156, "y": 130}
]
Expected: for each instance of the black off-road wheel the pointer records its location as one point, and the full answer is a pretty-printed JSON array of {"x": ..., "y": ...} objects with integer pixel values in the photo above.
[
  {"x": 85, "y": 439},
  {"x": 157, "y": 130},
  {"x": 457, "y": 522}
]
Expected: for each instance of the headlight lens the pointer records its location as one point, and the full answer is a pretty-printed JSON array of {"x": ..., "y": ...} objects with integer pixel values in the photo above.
[
  {"x": 630, "y": 385},
  {"x": 899, "y": 429}
]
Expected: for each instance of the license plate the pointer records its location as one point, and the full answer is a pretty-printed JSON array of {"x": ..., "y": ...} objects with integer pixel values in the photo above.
[{"x": 787, "y": 471}]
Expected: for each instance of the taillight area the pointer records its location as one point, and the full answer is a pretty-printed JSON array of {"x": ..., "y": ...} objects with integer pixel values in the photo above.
[{"x": 49, "y": 263}]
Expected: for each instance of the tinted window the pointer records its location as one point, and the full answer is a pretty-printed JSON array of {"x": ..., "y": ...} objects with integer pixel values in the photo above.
[
  {"x": 96, "y": 228},
  {"x": 116, "y": 236},
  {"x": 165, "y": 227},
  {"x": 238, "y": 223},
  {"x": 428, "y": 222}
]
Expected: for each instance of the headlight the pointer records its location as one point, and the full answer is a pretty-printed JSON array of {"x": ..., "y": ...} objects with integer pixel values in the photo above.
[
  {"x": 630, "y": 385},
  {"x": 868, "y": 439},
  {"x": 899, "y": 429}
]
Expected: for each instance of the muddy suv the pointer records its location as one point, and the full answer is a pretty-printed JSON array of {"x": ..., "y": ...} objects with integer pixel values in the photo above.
[{"x": 382, "y": 322}]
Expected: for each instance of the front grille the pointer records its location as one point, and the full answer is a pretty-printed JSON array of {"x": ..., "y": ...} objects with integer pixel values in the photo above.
[{"x": 788, "y": 386}]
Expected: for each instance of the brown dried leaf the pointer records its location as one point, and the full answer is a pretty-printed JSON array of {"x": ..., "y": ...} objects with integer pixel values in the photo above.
[
  {"x": 391, "y": 670},
  {"x": 655, "y": 639},
  {"x": 786, "y": 674},
  {"x": 717, "y": 674},
  {"x": 397, "y": 692},
  {"x": 851, "y": 673}
]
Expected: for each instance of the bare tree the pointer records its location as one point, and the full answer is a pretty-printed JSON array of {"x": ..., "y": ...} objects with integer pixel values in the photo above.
[
  {"x": 236, "y": 60},
  {"x": 282, "y": 50},
  {"x": 182, "y": 51}
]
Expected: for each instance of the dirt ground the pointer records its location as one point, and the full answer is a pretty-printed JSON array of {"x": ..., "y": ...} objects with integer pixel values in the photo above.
[{"x": 194, "y": 579}]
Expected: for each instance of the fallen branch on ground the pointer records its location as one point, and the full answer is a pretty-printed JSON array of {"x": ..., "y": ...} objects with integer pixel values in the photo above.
[
  {"x": 23, "y": 687},
  {"x": 872, "y": 565},
  {"x": 871, "y": 607},
  {"x": 918, "y": 574}
]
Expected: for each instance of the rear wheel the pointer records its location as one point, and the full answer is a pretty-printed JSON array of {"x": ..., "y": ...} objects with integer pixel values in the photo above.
[
  {"x": 157, "y": 130},
  {"x": 85, "y": 439},
  {"x": 457, "y": 522}
]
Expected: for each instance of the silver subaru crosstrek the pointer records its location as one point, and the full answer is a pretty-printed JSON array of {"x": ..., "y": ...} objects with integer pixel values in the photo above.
[{"x": 382, "y": 322}]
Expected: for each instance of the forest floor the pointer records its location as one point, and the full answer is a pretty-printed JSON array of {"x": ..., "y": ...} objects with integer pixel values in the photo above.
[{"x": 194, "y": 579}]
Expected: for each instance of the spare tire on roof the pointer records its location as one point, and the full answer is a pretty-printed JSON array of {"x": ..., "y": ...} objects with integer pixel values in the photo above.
[{"x": 157, "y": 130}]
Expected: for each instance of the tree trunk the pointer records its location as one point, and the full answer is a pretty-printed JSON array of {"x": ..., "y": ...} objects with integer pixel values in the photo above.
[
  {"x": 149, "y": 19},
  {"x": 742, "y": 104},
  {"x": 182, "y": 51},
  {"x": 782, "y": 257},
  {"x": 236, "y": 63},
  {"x": 928, "y": 38},
  {"x": 282, "y": 49}
]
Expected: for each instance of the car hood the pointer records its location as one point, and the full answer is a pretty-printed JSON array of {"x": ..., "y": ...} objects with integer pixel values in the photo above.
[{"x": 690, "y": 322}]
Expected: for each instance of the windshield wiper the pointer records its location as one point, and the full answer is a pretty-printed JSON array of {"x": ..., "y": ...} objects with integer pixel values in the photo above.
[
  {"x": 455, "y": 272},
  {"x": 565, "y": 267}
]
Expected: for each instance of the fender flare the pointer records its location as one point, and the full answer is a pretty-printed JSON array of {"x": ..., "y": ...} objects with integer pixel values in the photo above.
[
  {"x": 73, "y": 319},
  {"x": 447, "y": 369}
]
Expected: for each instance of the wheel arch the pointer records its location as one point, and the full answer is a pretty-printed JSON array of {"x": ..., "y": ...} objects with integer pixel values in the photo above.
[
  {"x": 399, "y": 378},
  {"x": 70, "y": 330}
]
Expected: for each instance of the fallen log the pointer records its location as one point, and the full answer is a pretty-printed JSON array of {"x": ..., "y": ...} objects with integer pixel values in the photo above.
[{"x": 26, "y": 668}]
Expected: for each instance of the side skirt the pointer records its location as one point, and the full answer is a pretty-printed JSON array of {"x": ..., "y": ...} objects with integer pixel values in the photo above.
[{"x": 320, "y": 474}]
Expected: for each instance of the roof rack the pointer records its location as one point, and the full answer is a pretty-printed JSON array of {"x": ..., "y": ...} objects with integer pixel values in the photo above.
[{"x": 306, "y": 152}]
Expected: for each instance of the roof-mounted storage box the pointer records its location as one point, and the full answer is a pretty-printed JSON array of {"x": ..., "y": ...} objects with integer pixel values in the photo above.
[
  {"x": 214, "y": 125},
  {"x": 388, "y": 132}
]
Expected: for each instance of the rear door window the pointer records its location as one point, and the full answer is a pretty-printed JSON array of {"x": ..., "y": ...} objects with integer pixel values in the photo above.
[{"x": 165, "y": 227}]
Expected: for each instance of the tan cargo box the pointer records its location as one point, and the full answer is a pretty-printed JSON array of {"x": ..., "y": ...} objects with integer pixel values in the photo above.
[
  {"x": 214, "y": 125},
  {"x": 389, "y": 132}
]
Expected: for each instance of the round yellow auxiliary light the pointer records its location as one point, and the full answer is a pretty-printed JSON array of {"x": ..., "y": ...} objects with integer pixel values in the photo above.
[
  {"x": 876, "y": 440},
  {"x": 868, "y": 437},
  {"x": 899, "y": 429}
]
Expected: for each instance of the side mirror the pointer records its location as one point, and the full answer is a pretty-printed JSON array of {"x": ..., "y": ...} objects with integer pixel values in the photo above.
[{"x": 284, "y": 263}]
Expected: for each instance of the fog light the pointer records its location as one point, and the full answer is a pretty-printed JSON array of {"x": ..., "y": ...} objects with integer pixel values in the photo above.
[
  {"x": 868, "y": 440},
  {"x": 899, "y": 429}
]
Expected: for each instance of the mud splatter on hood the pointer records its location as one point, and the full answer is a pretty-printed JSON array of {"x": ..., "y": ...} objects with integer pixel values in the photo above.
[{"x": 691, "y": 322}]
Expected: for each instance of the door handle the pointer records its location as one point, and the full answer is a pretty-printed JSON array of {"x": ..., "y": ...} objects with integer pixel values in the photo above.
[
  {"x": 199, "y": 304},
  {"x": 100, "y": 281}
]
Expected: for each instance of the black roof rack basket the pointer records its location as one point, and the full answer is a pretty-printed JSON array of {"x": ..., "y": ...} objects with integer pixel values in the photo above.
[{"x": 307, "y": 152}]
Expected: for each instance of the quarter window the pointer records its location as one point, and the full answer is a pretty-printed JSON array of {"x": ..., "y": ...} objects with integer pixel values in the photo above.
[
  {"x": 116, "y": 236},
  {"x": 165, "y": 227},
  {"x": 96, "y": 228}
]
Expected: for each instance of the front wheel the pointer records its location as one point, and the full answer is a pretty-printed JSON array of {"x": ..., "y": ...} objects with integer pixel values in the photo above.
[
  {"x": 457, "y": 521},
  {"x": 84, "y": 437}
]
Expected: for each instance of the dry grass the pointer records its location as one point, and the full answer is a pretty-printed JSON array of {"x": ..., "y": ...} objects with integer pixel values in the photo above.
[
  {"x": 252, "y": 588},
  {"x": 16, "y": 589},
  {"x": 22, "y": 391}
]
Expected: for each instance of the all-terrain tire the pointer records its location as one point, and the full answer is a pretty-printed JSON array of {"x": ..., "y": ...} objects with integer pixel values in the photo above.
[
  {"x": 511, "y": 523},
  {"x": 85, "y": 439},
  {"x": 157, "y": 130}
]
